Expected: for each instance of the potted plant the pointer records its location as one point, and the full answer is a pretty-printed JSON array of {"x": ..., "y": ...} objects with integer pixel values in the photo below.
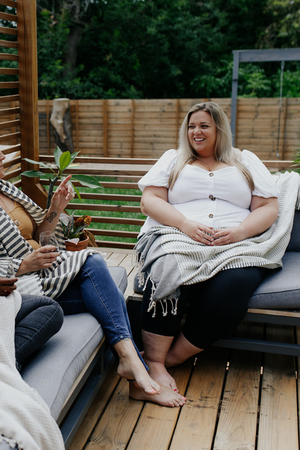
[
  {"x": 75, "y": 232},
  {"x": 62, "y": 160}
]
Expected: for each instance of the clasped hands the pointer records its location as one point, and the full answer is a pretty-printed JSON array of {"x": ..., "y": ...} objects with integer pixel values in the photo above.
[{"x": 208, "y": 236}]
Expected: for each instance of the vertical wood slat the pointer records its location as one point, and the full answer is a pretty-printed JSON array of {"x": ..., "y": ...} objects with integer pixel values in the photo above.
[
  {"x": 177, "y": 121},
  {"x": 28, "y": 80},
  {"x": 48, "y": 127},
  {"x": 284, "y": 127},
  {"x": 105, "y": 129},
  {"x": 77, "y": 125},
  {"x": 132, "y": 129}
]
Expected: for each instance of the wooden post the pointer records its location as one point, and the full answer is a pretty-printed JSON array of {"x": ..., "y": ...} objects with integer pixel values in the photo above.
[{"x": 28, "y": 92}]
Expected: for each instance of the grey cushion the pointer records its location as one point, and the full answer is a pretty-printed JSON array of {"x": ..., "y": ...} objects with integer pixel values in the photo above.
[
  {"x": 54, "y": 369},
  {"x": 281, "y": 287},
  {"x": 294, "y": 244}
]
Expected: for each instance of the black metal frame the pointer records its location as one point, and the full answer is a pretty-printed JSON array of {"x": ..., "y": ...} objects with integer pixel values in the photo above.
[
  {"x": 257, "y": 345},
  {"x": 285, "y": 54}
]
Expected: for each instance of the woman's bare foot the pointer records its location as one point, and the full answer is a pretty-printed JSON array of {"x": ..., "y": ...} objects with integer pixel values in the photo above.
[
  {"x": 180, "y": 351},
  {"x": 159, "y": 373},
  {"x": 166, "y": 398},
  {"x": 131, "y": 367}
]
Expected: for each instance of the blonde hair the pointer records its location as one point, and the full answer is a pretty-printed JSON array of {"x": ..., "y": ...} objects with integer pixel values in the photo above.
[{"x": 223, "y": 147}]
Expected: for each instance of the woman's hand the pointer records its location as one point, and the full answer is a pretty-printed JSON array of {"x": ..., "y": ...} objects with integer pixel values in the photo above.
[
  {"x": 198, "y": 232},
  {"x": 7, "y": 285},
  {"x": 39, "y": 259},
  {"x": 62, "y": 196},
  {"x": 228, "y": 236}
]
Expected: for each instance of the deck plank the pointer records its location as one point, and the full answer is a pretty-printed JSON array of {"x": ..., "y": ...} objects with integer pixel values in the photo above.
[
  {"x": 94, "y": 413},
  {"x": 196, "y": 425},
  {"x": 278, "y": 414},
  {"x": 115, "y": 427},
  {"x": 238, "y": 417}
]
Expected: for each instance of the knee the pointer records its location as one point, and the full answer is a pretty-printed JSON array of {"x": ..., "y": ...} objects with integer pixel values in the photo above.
[{"x": 95, "y": 260}]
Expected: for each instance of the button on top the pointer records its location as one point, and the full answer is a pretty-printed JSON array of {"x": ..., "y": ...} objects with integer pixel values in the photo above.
[
  {"x": 211, "y": 216},
  {"x": 211, "y": 174},
  {"x": 212, "y": 197}
]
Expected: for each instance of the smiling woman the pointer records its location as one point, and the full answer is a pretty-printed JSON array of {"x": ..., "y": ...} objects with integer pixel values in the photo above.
[{"x": 201, "y": 200}]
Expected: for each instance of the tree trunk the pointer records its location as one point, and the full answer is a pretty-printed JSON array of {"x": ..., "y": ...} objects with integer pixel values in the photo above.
[
  {"x": 62, "y": 124},
  {"x": 72, "y": 47}
]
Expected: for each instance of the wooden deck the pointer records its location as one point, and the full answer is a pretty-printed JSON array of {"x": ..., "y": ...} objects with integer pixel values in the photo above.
[{"x": 236, "y": 400}]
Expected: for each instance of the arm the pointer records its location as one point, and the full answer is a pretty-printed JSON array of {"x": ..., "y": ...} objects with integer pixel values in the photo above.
[
  {"x": 60, "y": 200},
  {"x": 264, "y": 212},
  {"x": 43, "y": 257},
  {"x": 155, "y": 204}
]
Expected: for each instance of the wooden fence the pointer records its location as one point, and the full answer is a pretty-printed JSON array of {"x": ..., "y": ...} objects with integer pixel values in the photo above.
[{"x": 147, "y": 128}]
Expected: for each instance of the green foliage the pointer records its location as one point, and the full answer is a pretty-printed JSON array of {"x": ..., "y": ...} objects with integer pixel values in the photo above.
[
  {"x": 296, "y": 160},
  {"x": 163, "y": 48},
  {"x": 62, "y": 160}
]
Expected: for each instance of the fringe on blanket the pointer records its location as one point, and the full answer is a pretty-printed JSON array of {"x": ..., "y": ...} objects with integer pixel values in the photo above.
[{"x": 142, "y": 283}]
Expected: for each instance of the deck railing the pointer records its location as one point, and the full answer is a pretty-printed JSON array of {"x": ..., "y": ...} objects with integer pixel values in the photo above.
[{"x": 116, "y": 209}]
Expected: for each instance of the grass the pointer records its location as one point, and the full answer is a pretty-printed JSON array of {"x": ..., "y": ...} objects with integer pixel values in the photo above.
[{"x": 109, "y": 226}]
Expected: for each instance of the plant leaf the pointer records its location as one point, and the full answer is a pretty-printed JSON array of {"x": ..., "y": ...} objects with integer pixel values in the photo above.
[
  {"x": 57, "y": 155},
  {"x": 77, "y": 191},
  {"x": 87, "y": 181},
  {"x": 64, "y": 160},
  {"x": 73, "y": 156},
  {"x": 36, "y": 162},
  {"x": 34, "y": 173}
]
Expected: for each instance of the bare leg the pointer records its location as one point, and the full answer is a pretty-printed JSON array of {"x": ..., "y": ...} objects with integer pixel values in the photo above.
[
  {"x": 156, "y": 348},
  {"x": 143, "y": 387},
  {"x": 131, "y": 367},
  {"x": 181, "y": 351}
]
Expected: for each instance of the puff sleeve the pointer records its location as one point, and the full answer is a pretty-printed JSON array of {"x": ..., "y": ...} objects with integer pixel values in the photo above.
[
  {"x": 264, "y": 182},
  {"x": 159, "y": 174}
]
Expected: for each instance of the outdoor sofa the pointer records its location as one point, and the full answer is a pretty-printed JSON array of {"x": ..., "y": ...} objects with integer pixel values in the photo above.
[{"x": 69, "y": 369}]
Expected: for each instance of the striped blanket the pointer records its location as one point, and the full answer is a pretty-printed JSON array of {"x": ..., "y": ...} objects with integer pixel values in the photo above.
[
  {"x": 53, "y": 281},
  {"x": 170, "y": 258}
]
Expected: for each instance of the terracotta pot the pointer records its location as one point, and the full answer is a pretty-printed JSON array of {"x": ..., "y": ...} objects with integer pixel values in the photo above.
[{"x": 81, "y": 245}]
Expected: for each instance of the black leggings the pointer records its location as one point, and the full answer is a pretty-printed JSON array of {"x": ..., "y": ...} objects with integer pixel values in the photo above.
[{"x": 214, "y": 307}]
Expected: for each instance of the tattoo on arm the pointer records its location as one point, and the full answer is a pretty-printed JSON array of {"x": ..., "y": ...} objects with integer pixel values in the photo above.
[{"x": 51, "y": 217}]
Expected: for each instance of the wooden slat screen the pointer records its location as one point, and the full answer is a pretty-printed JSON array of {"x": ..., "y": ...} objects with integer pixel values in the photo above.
[
  {"x": 147, "y": 128},
  {"x": 115, "y": 211},
  {"x": 9, "y": 90}
]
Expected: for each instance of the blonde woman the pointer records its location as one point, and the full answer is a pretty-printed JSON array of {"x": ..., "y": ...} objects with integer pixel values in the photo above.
[{"x": 202, "y": 200}]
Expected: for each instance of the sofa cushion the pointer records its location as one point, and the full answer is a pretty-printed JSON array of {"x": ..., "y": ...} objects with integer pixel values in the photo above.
[
  {"x": 294, "y": 244},
  {"x": 281, "y": 287},
  {"x": 54, "y": 369}
]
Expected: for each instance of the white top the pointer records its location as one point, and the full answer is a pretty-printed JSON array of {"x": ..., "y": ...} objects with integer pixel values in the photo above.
[{"x": 220, "y": 198}]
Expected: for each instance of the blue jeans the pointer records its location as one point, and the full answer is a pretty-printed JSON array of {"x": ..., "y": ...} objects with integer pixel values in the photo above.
[
  {"x": 39, "y": 318},
  {"x": 94, "y": 290}
]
